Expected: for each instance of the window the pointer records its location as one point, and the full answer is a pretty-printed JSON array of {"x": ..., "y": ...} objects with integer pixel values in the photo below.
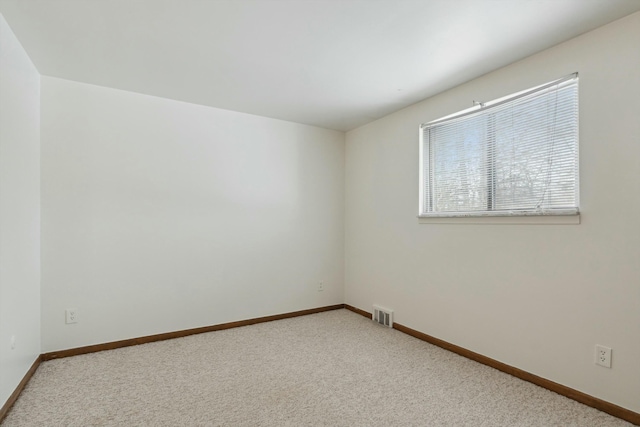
[{"x": 513, "y": 156}]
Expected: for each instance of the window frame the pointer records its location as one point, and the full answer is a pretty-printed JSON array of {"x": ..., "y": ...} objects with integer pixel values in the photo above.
[{"x": 518, "y": 215}]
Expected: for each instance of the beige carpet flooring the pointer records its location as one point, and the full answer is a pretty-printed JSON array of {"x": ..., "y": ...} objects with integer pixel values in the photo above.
[{"x": 328, "y": 369}]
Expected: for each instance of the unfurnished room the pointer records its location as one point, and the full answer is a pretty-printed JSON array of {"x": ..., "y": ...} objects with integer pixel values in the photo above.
[{"x": 320, "y": 213}]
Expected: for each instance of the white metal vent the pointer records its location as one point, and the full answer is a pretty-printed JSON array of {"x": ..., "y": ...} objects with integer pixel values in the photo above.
[{"x": 383, "y": 316}]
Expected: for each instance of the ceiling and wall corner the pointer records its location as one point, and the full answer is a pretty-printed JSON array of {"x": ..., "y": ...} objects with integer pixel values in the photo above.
[{"x": 333, "y": 64}]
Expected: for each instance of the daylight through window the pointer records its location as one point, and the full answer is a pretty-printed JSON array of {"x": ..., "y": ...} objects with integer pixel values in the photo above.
[{"x": 517, "y": 155}]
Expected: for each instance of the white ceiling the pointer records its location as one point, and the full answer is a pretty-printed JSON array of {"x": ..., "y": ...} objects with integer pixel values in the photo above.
[{"x": 331, "y": 63}]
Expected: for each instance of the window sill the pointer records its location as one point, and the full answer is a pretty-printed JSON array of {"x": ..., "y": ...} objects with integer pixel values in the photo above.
[{"x": 525, "y": 220}]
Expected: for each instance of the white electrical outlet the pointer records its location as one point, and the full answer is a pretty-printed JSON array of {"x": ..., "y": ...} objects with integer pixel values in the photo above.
[
  {"x": 71, "y": 315},
  {"x": 603, "y": 356},
  {"x": 320, "y": 286},
  {"x": 13, "y": 342}
]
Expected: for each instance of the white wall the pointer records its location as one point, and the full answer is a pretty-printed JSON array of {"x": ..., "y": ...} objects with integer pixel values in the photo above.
[
  {"x": 19, "y": 212},
  {"x": 538, "y": 297},
  {"x": 159, "y": 215}
]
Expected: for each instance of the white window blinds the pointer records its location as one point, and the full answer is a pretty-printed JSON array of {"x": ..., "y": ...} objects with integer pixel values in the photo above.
[{"x": 513, "y": 156}]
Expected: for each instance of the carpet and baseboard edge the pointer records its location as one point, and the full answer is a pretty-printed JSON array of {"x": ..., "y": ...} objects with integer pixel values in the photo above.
[
  {"x": 147, "y": 339},
  {"x": 594, "y": 402},
  {"x": 16, "y": 393},
  {"x": 179, "y": 334}
]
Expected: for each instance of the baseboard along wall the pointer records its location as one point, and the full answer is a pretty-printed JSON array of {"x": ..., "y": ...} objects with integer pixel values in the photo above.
[
  {"x": 147, "y": 339},
  {"x": 16, "y": 393},
  {"x": 594, "y": 402},
  {"x": 178, "y": 334}
]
